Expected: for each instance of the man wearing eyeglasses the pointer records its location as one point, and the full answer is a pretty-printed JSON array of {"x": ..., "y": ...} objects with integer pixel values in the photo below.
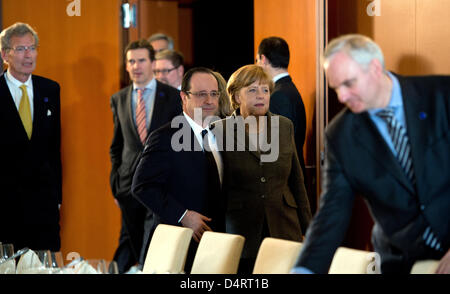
[
  {"x": 179, "y": 175},
  {"x": 168, "y": 68},
  {"x": 30, "y": 155},
  {"x": 138, "y": 109}
]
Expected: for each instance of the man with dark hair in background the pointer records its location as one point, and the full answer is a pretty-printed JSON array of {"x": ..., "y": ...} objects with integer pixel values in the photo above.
[
  {"x": 273, "y": 56},
  {"x": 137, "y": 110}
]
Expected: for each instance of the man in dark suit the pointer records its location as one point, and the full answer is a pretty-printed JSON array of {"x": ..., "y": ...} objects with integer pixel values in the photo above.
[
  {"x": 273, "y": 55},
  {"x": 178, "y": 177},
  {"x": 30, "y": 149},
  {"x": 391, "y": 144},
  {"x": 137, "y": 110}
]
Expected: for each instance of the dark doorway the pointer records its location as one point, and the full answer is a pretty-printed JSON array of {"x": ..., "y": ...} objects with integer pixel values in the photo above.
[{"x": 223, "y": 34}]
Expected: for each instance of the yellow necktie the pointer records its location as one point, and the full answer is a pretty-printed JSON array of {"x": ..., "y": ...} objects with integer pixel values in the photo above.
[{"x": 25, "y": 111}]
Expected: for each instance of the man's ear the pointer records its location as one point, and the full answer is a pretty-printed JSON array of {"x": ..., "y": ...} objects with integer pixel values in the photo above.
[
  {"x": 183, "y": 96},
  {"x": 376, "y": 67},
  {"x": 180, "y": 70},
  {"x": 4, "y": 55},
  {"x": 264, "y": 60}
]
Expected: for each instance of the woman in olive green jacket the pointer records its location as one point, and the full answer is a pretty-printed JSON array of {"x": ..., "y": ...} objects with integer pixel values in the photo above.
[{"x": 263, "y": 181}]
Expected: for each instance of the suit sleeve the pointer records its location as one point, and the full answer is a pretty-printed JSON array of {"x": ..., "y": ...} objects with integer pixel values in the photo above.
[
  {"x": 329, "y": 225},
  {"x": 151, "y": 181},
  {"x": 297, "y": 186},
  {"x": 115, "y": 150}
]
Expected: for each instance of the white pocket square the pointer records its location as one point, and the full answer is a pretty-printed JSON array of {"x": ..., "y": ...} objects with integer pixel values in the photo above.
[{"x": 49, "y": 112}]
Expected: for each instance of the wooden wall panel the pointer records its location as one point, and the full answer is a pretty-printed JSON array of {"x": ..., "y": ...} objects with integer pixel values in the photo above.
[
  {"x": 414, "y": 36},
  {"x": 394, "y": 31},
  {"x": 294, "y": 21},
  {"x": 433, "y": 37},
  {"x": 158, "y": 17},
  {"x": 82, "y": 54}
]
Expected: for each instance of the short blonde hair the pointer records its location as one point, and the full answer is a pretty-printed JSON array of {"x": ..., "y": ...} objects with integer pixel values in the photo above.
[{"x": 244, "y": 77}]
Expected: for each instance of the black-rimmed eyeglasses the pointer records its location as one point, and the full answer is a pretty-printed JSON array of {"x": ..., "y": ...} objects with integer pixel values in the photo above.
[
  {"x": 204, "y": 94},
  {"x": 163, "y": 71}
]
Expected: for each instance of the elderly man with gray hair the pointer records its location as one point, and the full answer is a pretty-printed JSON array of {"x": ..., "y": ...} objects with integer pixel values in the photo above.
[
  {"x": 160, "y": 41},
  {"x": 391, "y": 146},
  {"x": 30, "y": 149}
]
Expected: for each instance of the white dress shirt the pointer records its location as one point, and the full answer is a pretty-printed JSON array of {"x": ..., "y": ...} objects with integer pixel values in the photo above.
[
  {"x": 16, "y": 92},
  {"x": 197, "y": 129}
]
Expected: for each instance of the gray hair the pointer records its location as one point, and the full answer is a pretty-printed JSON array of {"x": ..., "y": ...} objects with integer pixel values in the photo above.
[
  {"x": 18, "y": 29},
  {"x": 161, "y": 36},
  {"x": 360, "y": 48}
]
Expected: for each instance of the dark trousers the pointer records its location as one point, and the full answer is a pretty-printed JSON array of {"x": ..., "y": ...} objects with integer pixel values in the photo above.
[
  {"x": 246, "y": 264},
  {"x": 138, "y": 224}
]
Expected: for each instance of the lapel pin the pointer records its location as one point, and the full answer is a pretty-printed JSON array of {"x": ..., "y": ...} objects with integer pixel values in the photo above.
[
  {"x": 45, "y": 99},
  {"x": 49, "y": 112},
  {"x": 422, "y": 115}
]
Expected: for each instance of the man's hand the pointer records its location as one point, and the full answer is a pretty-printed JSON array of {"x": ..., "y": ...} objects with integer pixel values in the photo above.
[
  {"x": 196, "y": 222},
  {"x": 444, "y": 264}
]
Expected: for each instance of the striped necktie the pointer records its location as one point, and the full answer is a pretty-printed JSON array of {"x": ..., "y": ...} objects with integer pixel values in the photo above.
[
  {"x": 141, "y": 116},
  {"x": 25, "y": 111},
  {"x": 401, "y": 145},
  {"x": 400, "y": 141}
]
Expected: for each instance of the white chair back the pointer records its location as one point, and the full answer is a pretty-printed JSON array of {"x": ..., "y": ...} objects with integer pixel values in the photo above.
[
  {"x": 276, "y": 256},
  {"x": 168, "y": 249},
  {"x": 218, "y": 253}
]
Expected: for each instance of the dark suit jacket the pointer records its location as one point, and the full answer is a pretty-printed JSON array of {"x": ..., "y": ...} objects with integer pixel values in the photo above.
[
  {"x": 287, "y": 101},
  {"x": 126, "y": 147},
  {"x": 359, "y": 161},
  {"x": 31, "y": 181},
  {"x": 169, "y": 182},
  {"x": 261, "y": 192},
  {"x": 138, "y": 223}
]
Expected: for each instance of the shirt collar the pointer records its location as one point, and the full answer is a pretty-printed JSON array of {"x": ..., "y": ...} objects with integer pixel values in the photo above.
[
  {"x": 396, "y": 93},
  {"x": 279, "y": 76},
  {"x": 151, "y": 85},
  {"x": 395, "y": 102},
  {"x": 195, "y": 126},
  {"x": 16, "y": 82}
]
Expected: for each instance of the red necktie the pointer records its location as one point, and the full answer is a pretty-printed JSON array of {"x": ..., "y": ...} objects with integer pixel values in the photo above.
[{"x": 141, "y": 120}]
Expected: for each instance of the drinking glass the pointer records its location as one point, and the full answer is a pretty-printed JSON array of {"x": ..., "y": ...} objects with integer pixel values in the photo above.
[
  {"x": 7, "y": 262},
  {"x": 103, "y": 266}
]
